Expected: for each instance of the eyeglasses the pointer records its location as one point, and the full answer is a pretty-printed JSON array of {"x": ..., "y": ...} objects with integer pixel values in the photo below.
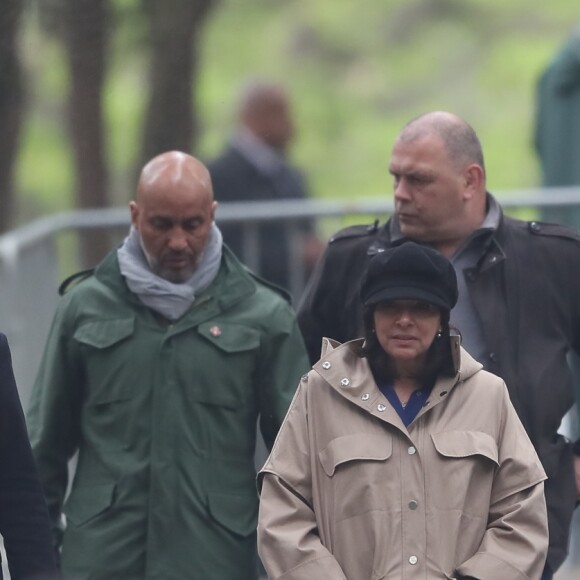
[{"x": 414, "y": 308}]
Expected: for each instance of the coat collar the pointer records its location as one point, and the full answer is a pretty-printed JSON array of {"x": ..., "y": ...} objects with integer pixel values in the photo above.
[
  {"x": 350, "y": 375},
  {"x": 232, "y": 284},
  {"x": 493, "y": 254}
]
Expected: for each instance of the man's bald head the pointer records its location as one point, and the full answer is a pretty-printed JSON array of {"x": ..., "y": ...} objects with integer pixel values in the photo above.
[
  {"x": 174, "y": 212},
  {"x": 459, "y": 139},
  {"x": 172, "y": 169},
  {"x": 264, "y": 110}
]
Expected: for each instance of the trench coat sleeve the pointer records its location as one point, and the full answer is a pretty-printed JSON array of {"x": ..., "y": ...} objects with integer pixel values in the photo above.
[
  {"x": 288, "y": 540},
  {"x": 24, "y": 522},
  {"x": 515, "y": 543},
  {"x": 54, "y": 415},
  {"x": 283, "y": 361}
]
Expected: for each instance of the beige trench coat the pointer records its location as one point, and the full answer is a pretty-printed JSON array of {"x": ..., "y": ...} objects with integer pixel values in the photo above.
[{"x": 350, "y": 493}]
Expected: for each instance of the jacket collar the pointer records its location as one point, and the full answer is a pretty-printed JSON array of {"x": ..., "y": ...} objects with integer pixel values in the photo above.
[
  {"x": 258, "y": 153},
  {"x": 232, "y": 284},
  {"x": 492, "y": 254},
  {"x": 491, "y": 221},
  {"x": 350, "y": 375}
]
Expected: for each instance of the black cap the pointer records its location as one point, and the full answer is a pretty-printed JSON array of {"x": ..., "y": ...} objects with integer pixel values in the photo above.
[{"x": 410, "y": 271}]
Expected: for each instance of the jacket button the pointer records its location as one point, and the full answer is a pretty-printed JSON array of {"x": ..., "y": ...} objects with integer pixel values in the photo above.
[
  {"x": 326, "y": 365},
  {"x": 411, "y": 450},
  {"x": 493, "y": 357},
  {"x": 344, "y": 382},
  {"x": 413, "y": 560},
  {"x": 535, "y": 227},
  {"x": 365, "y": 397},
  {"x": 413, "y": 504},
  {"x": 381, "y": 407}
]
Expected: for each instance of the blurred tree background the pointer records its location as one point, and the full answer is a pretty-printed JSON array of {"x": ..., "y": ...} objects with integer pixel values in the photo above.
[{"x": 101, "y": 85}]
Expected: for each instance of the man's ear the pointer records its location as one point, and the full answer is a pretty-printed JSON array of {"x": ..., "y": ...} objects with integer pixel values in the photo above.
[
  {"x": 474, "y": 179},
  {"x": 213, "y": 210},
  {"x": 134, "y": 209}
]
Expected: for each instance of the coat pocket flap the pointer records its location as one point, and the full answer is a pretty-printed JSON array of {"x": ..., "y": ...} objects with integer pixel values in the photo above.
[
  {"x": 459, "y": 444},
  {"x": 361, "y": 447},
  {"x": 230, "y": 337},
  {"x": 104, "y": 333},
  {"x": 87, "y": 502},
  {"x": 237, "y": 513}
]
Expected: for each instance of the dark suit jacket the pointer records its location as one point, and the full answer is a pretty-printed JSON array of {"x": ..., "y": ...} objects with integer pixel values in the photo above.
[
  {"x": 24, "y": 522},
  {"x": 235, "y": 179}
]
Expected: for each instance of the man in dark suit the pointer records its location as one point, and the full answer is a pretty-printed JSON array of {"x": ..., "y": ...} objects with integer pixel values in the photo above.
[
  {"x": 24, "y": 522},
  {"x": 254, "y": 167}
]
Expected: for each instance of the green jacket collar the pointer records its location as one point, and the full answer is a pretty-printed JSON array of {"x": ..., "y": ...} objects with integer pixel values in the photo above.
[{"x": 232, "y": 284}]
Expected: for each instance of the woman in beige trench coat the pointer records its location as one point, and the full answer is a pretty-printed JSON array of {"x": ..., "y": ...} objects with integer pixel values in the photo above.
[{"x": 400, "y": 457}]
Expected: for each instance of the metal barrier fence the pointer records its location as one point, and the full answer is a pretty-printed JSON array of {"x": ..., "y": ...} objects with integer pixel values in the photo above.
[{"x": 36, "y": 257}]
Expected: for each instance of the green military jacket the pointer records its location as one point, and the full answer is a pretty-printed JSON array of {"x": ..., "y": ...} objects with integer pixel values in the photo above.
[{"x": 163, "y": 417}]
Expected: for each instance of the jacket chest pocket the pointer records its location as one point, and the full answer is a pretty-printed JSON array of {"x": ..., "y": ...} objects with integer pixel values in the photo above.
[
  {"x": 461, "y": 475},
  {"x": 109, "y": 368},
  {"x": 228, "y": 355},
  {"x": 359, "y": 473}
]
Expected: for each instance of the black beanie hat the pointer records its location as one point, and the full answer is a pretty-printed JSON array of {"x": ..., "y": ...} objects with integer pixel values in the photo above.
[{"x": 410, "y": 271}]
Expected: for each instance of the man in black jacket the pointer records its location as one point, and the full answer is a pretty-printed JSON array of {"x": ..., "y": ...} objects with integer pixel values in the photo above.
[
  {"x": 24, "y": 522},
  {"x": 254, "y": 167},
  {"x": 519, "y": 289}
]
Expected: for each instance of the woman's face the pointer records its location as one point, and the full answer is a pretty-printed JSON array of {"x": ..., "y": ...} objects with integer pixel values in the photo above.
[{"x": 406, "y": 329}]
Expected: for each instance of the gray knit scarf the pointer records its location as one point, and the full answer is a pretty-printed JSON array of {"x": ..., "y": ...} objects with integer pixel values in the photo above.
[{"x": 167, "y": 298}]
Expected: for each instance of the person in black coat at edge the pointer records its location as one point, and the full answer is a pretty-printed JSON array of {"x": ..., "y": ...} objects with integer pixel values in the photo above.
[{"x": 24, "y": 522}]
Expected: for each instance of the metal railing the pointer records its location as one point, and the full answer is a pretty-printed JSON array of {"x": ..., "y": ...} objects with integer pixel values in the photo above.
[{"x": 34, "y": 258}]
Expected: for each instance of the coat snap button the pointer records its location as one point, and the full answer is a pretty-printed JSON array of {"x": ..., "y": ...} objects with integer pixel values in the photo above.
[
  {"x": 365, "y": 397},
  {"x": 381, "y": 407},
  {"x": 345, "y": 382},
  {"x": 413, "y": 560},
  {"x": 411, "y": 450},
  {"x": 413, "y": 504},
  {"x": 326, "y": 365}
]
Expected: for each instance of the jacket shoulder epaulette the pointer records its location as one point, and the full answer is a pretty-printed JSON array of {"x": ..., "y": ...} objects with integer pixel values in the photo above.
[
  {"x": 359, "y": 231},
  {"x": 73, "y": 280},
  {"x": 278, "y": 289},
  {"x": 553, "y": 230}
]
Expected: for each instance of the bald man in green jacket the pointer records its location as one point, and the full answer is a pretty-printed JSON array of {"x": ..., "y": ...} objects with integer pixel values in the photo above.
[{"x": 156, "y": 370}]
